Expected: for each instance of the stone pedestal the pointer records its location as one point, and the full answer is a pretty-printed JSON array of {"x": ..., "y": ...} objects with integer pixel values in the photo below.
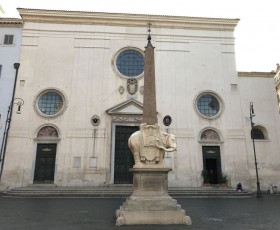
[{"x": 150, "y": 202}]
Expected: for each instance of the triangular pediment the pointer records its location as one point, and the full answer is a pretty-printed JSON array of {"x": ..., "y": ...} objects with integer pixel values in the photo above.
[{"x": 129, "y": 107}]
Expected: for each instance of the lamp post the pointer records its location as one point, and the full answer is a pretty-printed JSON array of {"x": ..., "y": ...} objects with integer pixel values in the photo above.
[
  {"x": 252, "y": 114},
  {"x": 19, "y": 102}
]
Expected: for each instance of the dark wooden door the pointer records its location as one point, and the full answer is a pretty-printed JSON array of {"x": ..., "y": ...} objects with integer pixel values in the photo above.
[
  {"x": 123, "y": 157},
  {"x": 212, "y": 163},
  {"x": 45, "y": 163}
]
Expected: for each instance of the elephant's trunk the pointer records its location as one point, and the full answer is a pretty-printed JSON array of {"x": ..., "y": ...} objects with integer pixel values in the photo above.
[{"x": 172, "y": 149}]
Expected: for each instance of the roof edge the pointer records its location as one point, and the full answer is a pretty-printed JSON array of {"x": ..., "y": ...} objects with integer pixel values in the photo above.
[
  {"x": 257, "y": 74},
  {"x": 86, "y": 17},
  {"x": 11, "y": 22}
]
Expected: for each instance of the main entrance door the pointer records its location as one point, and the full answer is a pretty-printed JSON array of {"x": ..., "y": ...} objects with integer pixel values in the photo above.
[
  {"x": 123, "y": 157},
  {"x": 212, "y": 163},
  {"x": 45, "y": 163}
]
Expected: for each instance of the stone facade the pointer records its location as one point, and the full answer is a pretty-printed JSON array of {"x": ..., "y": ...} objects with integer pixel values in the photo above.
[{"x": 72, "y": 55}]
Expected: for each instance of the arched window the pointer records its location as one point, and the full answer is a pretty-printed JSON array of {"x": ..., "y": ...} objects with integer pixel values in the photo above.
[
  {"x": 47, "y": 132},
  {"x": 257, "y": 134},
  {"x": 210, "y": 135}
]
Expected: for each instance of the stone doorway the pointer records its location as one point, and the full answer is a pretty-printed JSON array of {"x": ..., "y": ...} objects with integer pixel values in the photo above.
[{"x": 124, "y": 160}]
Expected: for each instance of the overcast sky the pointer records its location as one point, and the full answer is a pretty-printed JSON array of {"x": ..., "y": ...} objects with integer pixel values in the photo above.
[{"x": 257, "y": 34}]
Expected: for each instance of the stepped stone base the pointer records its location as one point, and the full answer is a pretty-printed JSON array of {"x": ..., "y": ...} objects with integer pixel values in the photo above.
[{"x": 150, "y": 202}]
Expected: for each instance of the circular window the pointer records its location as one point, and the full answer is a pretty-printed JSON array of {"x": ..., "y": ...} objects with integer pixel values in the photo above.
[
  {"x": 130, "y": 63},
  {"x": 50, "y": 103},
  {"x": 208, "y": 105}
]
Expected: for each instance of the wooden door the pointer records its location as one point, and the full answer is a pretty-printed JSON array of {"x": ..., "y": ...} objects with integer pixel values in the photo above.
[
  {"x": 123, "y": 156},
  {"x": 45, "y": 163}
]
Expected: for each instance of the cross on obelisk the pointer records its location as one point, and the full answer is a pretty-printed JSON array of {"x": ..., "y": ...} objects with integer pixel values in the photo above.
[{"x": 149, "y": 105}]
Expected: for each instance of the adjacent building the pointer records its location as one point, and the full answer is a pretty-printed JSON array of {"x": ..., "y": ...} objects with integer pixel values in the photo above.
[
  {"x": 10, "y": 43},
  {"x": 277, "y": 83},
  {"x": 81, "y": 78}
]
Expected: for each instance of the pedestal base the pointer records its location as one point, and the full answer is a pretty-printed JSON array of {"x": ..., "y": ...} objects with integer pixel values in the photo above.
[{"x": 150, "y": 202}]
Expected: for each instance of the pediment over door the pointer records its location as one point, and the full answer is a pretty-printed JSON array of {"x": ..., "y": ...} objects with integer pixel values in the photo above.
[{"x": 129, "y": 111}]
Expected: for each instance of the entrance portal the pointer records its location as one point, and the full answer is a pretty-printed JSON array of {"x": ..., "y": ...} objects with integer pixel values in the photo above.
[
  {"x": 212, "y": 164},
  {"x": 45, "y": 163},
  {"x": 123, "y": 156}
]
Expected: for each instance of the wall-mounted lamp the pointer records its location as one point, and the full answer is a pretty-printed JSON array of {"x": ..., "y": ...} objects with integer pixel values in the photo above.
[{"x": 19, "y": 104}]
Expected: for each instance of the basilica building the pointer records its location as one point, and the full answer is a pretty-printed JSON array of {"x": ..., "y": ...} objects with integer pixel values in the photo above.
[{"x": 81, "y": 79}]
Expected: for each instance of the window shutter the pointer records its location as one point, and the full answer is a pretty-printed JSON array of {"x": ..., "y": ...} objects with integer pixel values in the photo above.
[{"x": 9, "y": 40}]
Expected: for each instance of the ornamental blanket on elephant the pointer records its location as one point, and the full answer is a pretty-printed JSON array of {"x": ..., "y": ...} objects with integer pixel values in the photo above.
[
  {"x": 149, "y": 152},
  {"x": 149, "y": 145}
]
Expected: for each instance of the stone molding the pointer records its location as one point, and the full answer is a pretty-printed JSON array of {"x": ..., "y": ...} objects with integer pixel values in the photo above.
[
  {"x": 82, "y": 133},
  {"x": 124, "y": 19},
  {"x": 256, "y": 74}
]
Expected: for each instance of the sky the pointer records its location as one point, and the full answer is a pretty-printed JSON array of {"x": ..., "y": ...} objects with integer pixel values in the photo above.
[{"x": 257, "y": 34}]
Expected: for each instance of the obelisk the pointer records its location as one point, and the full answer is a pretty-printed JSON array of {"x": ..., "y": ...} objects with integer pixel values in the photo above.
[
  {"x": 149, "y": 105},
  {"x": 150, "y": 202}
]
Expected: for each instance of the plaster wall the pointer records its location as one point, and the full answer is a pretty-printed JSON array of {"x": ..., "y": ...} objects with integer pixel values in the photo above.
[
  {"x": 265, "y": 107},
  {"x": 9, "y": 54}
]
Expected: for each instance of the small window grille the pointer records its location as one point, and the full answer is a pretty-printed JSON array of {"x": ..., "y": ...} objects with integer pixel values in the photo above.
[{"x": 9, "y": 39}]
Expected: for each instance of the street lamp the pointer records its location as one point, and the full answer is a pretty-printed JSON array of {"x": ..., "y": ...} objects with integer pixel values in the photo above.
[
  {"x": 19, "y": 102},
  {"x": 15, "y": 101},
  {"x": 252, "y": 114}
]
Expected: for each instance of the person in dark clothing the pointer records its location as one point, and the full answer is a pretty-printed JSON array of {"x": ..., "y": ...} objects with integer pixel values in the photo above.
[{"x": 239, "y": 187}]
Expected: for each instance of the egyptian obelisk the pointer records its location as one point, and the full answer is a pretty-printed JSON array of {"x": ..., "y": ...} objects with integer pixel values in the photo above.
[
  {"x": 150, "y": 202},
  {"x": 149, "y": 105}
]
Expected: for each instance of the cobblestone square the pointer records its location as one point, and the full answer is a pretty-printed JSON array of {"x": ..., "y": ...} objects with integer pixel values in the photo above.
[{"x": 99, "y": 214}]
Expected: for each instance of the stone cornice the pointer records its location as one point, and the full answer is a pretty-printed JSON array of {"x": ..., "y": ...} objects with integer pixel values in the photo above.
[
  {"x": 256, "y": 74},
  {"x": 121, "y": 19},
  {"x": 11, "y": 22}
]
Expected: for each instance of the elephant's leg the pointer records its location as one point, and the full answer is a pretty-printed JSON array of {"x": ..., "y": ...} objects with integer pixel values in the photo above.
[{"x": 136, "y": 157}]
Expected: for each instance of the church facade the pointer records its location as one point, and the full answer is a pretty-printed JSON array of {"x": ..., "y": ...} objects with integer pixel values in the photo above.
[{"x": 81, "y": 78}]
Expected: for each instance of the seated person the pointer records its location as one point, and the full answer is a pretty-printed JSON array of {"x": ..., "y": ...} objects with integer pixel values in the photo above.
[{"x": 239, "y": 187}]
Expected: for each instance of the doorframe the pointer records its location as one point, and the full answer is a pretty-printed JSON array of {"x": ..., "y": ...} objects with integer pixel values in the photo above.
[
  {"x": 36, "y": 155},
  {"x": 113, "y": 139},
  {"x": 45, "y": 141},
  {"x": 218, "y": 160}
]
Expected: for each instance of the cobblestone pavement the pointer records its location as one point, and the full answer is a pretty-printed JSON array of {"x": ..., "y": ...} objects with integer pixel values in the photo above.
[{"x": 99, "y": 214}]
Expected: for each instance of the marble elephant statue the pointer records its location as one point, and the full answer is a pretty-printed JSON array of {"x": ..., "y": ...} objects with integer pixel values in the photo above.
[{"x": 151, "y": 154}]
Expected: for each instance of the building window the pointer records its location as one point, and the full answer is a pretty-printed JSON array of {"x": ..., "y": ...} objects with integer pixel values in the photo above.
[
  {"x": 130, "y": 63},
  {"x": 257, "y": 134},
  {"x": 50, "y": 103},
  {"x": 0, "y": 70},
  {"x": 209, "y": 105},
  {"x": 9, "y": 39}
]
